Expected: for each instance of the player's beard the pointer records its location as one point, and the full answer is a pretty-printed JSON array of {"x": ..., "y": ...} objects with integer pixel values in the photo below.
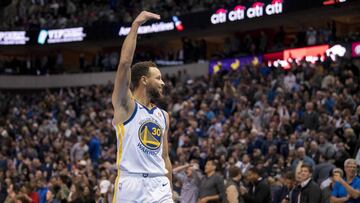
[{"x": 155, "y": 95}]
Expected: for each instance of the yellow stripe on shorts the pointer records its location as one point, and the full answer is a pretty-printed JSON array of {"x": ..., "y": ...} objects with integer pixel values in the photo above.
[{"x": 120, "y": 131}]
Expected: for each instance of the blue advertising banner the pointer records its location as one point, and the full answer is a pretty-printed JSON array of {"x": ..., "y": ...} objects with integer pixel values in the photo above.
[{"x": 216, "y": 66}]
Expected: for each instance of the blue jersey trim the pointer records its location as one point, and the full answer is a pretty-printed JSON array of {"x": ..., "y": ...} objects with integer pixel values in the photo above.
[
  {"x": 162, "y": 111},
  {"x": 132, "y": 115},
  {"x": 150, "y": 111}
]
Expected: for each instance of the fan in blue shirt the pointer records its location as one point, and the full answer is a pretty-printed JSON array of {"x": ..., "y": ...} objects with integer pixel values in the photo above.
[{"x": 347, "y": 189}]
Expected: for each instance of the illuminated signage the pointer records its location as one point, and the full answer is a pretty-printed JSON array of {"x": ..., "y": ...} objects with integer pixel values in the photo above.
[
  {"x": 61, "y": 35},
  {"x": 355, "y": 47},
  {"x": 336, "y": 50},
  {"x": 332, "y": 2},
  {"x": 215, "y": 66},
  {"x": 178, "y": 24},
  {"x": 13, "y": 38},
  {"x": 240, "y": 12},
  {"x": 156, "y": 27},
  {"x": 284, "y": 58}
]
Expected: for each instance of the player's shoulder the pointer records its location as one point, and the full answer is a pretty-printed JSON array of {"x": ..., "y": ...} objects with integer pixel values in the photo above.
[
  {"x": 124, "y": 115},
  {"x": 166, "y": 114},
  {"x": 164, "y": 111}
]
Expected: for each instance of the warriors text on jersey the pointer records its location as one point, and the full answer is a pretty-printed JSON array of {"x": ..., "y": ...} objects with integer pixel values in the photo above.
[{"x": 140, "y": 140}]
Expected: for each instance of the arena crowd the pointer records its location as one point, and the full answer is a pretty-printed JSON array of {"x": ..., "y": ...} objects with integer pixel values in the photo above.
[{"x": 231, "y": 134}]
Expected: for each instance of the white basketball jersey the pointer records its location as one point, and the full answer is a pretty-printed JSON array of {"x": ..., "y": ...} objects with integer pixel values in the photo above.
[{"x": 140, "y": 140}]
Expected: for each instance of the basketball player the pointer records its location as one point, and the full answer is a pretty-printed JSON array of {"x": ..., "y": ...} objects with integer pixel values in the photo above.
[{"x": 144, "y": 167}]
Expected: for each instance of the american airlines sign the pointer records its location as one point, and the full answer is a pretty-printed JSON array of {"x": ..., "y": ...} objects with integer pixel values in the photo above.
[
  {"x": 240, "y": 12},
  {"x": 161, "y": 26}
]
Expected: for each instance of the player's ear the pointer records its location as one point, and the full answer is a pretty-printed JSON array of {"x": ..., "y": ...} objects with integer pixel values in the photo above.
[{"x": 144, "y": 80}]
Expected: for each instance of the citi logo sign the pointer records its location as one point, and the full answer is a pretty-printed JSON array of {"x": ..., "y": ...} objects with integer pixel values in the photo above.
[
  {"x": 240, "y": 12},
  {"x": 219, "y": 16},
  {"x": 276, "y": 7},
  {"x": 256, "y": 10}
]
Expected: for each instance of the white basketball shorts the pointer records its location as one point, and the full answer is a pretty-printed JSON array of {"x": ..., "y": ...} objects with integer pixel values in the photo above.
[{"x": 142, "y": 188}]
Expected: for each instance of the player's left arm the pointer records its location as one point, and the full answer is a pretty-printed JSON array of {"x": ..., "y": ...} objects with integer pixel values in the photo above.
[{"x": 165, "y": 153}]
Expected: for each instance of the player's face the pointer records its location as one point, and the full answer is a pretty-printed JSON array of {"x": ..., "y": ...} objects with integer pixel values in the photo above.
[{"x": 156, "y": 84}]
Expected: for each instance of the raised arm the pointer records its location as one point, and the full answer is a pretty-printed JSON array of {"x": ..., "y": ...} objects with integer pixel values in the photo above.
[{"x": 121, "y": 97}]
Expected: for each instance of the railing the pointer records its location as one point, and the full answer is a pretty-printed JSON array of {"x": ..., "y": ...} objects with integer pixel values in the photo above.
[{"x": 86, "y": 79}]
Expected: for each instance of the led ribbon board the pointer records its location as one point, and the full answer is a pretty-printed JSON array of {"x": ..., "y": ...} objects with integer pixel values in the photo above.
[
  {"x": 61, "y": 35},
  {"x": 284, "y": 58},
  {"x": 155, "y": 27},
  {"x": 13, "y": 38},
  {"x": 240, "y": 12}
]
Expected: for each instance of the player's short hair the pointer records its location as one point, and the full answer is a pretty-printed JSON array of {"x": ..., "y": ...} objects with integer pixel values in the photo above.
[{"x": 138, "y": 70}]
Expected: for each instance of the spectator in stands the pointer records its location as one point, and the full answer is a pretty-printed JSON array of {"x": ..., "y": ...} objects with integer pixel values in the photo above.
[
  {"x": 325, "y": 147},
  {"x": 61, "y": 187},
  {"x": 259, "y": 190},
  {"x": 94, "y": 148},
  {"x": 11, "y": 193},
  {"x": 289, "y": 192},
  {"x": 311, "y": 36},
  {"x": 346, "y": 189},
  {"x": 42, "y": 189},
  {"x": 78, "y": 151},
  {"x": 76, "y": 193},
  {"x": 311, "y": 117},
  {"x": 327, "y": 185},
  {"x": 50, "y": 197},
  {"x": 244, "y": 164},
  {"x": 212, "y": 187},
  {"x": 232, "y": 186},
  {"x": 190, "y": 179},
  {"x": 309, "y": 190},
  {"x": 302, "y": 158},
  {"x": 322, "y": 169}
]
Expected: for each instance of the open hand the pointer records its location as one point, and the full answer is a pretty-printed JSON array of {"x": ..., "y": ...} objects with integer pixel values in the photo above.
[{"x": 145, "y": 16}]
